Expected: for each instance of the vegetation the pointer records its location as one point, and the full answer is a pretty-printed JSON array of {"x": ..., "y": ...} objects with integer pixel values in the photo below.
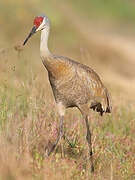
[
  {"x": 28, "y": 118},
  {"x": 118, "y": 10}
]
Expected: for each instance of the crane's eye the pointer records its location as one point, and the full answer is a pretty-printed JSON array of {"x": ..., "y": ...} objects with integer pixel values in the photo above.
[{"x": 38, "y": 21}]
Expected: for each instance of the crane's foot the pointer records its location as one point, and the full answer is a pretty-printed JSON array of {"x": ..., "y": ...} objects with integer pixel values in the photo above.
[
  {"x": 92, "y": 169},
  {"x": 51, "y": 150},
  {"x": 91, "y": 161}
]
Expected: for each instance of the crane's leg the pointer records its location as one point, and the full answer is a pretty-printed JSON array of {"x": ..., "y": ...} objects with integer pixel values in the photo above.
[
  {"x": 58, "y": 137},
  {"x": 84, "y": 110},
  {"x": 61, "y": 110},
  {"x": 88, "y": 137}
]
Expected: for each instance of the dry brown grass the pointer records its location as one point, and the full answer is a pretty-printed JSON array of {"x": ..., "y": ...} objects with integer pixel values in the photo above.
[
  {"x": 29, "y": 125},
  {"x": 29, "y": 120}
]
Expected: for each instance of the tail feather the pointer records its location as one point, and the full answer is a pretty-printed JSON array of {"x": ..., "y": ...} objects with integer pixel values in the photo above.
[
  {"x": 108, "y": 98},
  {"x": 98, "y": 106}
]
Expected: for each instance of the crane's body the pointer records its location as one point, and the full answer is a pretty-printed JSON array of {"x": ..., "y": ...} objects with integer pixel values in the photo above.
[{"x": 73, "y": 84}]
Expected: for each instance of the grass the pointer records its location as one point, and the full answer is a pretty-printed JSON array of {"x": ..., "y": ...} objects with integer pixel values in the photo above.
[
  {"x": 29, "y": 121},
  {"x": 29, "y": 125}
]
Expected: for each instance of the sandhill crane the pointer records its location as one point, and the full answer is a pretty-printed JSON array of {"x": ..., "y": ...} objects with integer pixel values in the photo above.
[{"x": 73, "y": 84}]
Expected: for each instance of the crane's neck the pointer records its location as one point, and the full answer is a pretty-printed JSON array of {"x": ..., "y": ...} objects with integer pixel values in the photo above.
[
  {"x": 46, "y": 56},
  {"x": 44, "y": 51}
]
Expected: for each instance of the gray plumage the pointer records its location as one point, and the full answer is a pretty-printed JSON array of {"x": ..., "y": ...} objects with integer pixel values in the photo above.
[{"x": 75, "y": 84}]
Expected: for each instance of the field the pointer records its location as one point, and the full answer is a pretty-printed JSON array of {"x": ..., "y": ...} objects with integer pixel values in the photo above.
[{"x": 100, "y": 35}]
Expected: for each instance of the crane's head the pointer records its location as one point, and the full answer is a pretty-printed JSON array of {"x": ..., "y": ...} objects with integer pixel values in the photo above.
[{"x": 40, "y": 22}]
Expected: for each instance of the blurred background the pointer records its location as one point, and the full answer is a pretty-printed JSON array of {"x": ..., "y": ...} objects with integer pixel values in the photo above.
[{"x": 98, "y": 33}]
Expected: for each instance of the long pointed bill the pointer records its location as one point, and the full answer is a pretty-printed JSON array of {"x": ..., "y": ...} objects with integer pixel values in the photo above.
[{"x": 31, "y": 33}]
